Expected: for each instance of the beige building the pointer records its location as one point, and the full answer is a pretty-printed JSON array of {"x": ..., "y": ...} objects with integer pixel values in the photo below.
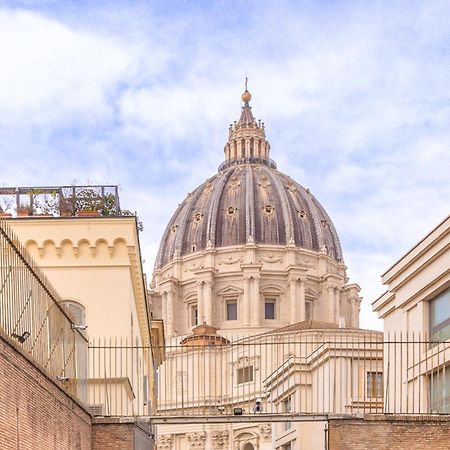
[
  {"x": 258, "y": 311},
  {"x": 94, "y": 263},
  {"x": 416, "y": 309}
]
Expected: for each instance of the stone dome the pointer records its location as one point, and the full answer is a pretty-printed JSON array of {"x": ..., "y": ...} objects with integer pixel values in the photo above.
[{"x": 248, "y": 201}]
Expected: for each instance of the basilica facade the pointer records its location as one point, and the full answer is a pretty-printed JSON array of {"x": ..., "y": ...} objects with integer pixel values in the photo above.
[
  {"x": 250, "y": 249},
  {"x": 249, "y": 263}
]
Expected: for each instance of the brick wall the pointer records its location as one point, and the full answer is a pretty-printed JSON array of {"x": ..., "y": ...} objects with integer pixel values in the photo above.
[
  {"x": 386, "y": 432},
  {"x": 120, "y": 434},
  {"x": 35, "y": 413}
]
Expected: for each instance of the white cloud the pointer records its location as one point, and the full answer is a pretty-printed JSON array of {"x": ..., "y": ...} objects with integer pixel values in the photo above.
[
  {"x": 354, "y": 100},
  {"x": 52, "y": 74}
]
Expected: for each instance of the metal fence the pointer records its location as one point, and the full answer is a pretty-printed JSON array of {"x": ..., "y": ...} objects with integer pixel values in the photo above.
[
  {"x": 33, "y": 317},
  {"x": 119, "y": 382},
  {"x": 305, "y": 372},
  {"x": 60, "y": 200}
]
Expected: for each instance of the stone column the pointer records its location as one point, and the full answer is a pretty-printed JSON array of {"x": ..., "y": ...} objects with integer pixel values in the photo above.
[
  {"x": 256, "y": 303},
  {"x": 293, "y": 312},
  {"x": 207, "y": 295},
  {"x": 200, "y": 303},
  {"x": 337, "y": 294},
  {"x": 164, "y": 306},
  {"x": 169, "y": 312},
  {"x": 331, "y": 304},
  {"x": 246, "y": 300},
  {"x": 302, "y": 300}
]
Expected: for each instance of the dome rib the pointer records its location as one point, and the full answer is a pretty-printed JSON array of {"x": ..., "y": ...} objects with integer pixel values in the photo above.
[
  {"x": 181, "y": 231},
  {"x": 219, "y": 187},
  {"x": 285, "y": 207},
  {"x": 249, "y": 203}
]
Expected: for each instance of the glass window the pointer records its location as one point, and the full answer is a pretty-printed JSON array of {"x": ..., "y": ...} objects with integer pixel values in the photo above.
[
  {"x": 287, "y": 446},
  {"x": 287, "y": 408},
  {"x": 231, "y": 311},
  {"x": 269, "y": 309},
  {"x": 194, "y": 315},
  {"x": 76, "y": 312},
  {"x": 440, "y": 390},
  {"x": 374, "y": 386},
  {"x": 245, "y": 374},
  {"x": 440, "y": 317},
  {"x": 308, "y": 311}
]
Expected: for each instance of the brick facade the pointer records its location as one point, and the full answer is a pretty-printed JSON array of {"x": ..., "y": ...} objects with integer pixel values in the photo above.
[
  {"x": 120, "y": 434},
  {"x": 35, "y": 412},
  {"x": 390, "y": 432}
]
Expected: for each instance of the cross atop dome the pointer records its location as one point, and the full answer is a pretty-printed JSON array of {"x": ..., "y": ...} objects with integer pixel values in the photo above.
[{"x": 247, "y": 138}]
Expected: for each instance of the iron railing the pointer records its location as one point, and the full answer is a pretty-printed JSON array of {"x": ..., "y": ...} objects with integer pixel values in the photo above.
[
  {"x": 33, "y": 317},
  {"x": 308, "y": 372},
  {"x": 60, "y": 200}
]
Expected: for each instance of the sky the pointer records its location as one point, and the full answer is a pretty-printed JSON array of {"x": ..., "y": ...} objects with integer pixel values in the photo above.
[{"x": 355, "y": 96}]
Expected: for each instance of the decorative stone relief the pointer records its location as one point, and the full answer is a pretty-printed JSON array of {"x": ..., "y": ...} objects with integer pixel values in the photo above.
[
  {"x": 195, "y": 266},
  {"x": 230, "y": 260},
  {"x": 234, "y": 186},
  {"x": 165, "y": 441},
  {"x": 291, "y": 187},
  {"x": 220, "y": 439},
  {"x": 271, "y": 258},
  {"x": 196, "y": 440},
  {"x": 265, "y": 431},
  {"x": 264, "y": 182},
  {"x": 208, "y": 188}
]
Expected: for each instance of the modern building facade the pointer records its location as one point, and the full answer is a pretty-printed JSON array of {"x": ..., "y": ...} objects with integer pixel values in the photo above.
[{"x": 416, "y": 309}]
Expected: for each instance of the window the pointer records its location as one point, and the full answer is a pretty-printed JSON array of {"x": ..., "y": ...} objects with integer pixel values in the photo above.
[
  {"x": 269, "y": 309},
  {"x": 76, "y": 312},
  {"x": 287, "y": 446},
  {"x": 374, "y": 386},
  {"x": 248, "y": 446},
  {"x": 308, "y": 311},
  {"x": 194, "y": 315},
  {"x": 440, "y": 391},
  {"x": 287, "y": 408},
  {"x": 440, "y": 317},
  {"x": 245, "y": 374},
  {"x": 232, "y": 310}
]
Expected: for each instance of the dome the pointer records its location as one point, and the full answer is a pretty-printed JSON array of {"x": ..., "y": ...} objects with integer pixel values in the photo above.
[{"x": 248, "y": 201}]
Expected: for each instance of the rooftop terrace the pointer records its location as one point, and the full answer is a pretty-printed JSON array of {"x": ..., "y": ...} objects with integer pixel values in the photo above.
[{"x": 60, "y": 201}]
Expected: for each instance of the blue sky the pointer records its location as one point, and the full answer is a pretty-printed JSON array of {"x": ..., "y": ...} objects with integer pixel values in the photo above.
[{"x": 355, "y": 96}]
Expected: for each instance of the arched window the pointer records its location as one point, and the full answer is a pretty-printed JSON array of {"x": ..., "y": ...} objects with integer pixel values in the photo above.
[
  {"x": 76, "y": 311},
  {"x": 248, "y": 446}
]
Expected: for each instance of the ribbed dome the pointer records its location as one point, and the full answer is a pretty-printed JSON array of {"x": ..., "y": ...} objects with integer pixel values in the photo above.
[{"x": 248, "y": 201}]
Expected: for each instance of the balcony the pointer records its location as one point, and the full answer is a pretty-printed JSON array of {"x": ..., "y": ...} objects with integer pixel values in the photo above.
[{"x": 60, "y": 201}]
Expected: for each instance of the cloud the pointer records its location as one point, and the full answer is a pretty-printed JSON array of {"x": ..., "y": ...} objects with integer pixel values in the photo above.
[{"x": 354, "y": 97}]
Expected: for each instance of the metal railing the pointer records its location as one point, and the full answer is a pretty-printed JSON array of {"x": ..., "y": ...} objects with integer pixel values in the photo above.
[
  {"x": 34, "y": 319},
  {"x": 60, "y": 200},
  {"x": 308, "y": 372}
]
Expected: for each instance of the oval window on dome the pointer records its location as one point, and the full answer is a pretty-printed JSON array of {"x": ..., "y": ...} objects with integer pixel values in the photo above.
[
  {"x": 197, "y": 217},
  {"x": 268, "y": 209},
  {"x": 231, "y": 210}
]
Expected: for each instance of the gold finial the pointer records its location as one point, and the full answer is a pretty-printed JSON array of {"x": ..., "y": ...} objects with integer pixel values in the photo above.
[{"x": 246, "y": 96}]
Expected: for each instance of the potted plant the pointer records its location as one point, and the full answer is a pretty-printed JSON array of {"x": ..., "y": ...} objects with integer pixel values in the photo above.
[
  {"x": 23, "y": 210},
  {"x": 3, "y": 214},
  {"x": 87, "y": 203}
]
